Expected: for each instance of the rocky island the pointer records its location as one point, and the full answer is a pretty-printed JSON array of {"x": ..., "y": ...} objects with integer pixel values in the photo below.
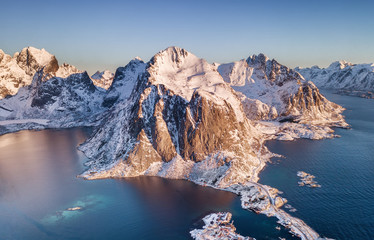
[
  {"x": 218, "y": 226},
  {"x": 307, "y": 179}
]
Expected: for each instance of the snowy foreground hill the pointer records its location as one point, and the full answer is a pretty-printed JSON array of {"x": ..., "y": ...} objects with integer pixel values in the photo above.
[
  {"x": 179, "y": 117},
  {"x": 343, "y": 77}
]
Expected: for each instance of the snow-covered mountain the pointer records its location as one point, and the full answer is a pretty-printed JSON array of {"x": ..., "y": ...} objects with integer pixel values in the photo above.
[
  {"x": 103, "y": 79},
  {"x": 180, "y": 113},
  {"x": 52, "y": 102},
  {"x": 343, "y": 77},
  {"x": 188, "y": 119},
  {"x": 269, "y": 90},
  {"x": 183, "y": 110},
  {"x": 124, "y": 81},
  {"x": 18, "y": 71}
]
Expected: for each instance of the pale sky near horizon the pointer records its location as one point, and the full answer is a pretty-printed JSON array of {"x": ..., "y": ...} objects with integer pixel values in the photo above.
[{"x": 98, "y": 35}]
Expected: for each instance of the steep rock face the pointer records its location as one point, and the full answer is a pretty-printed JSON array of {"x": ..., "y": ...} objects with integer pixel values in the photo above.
[
  {"x": 348, "y": 78},
  {"x": 31, "y": 60},
  {"x": 271, "y": 91},
  {"x": 157, "y": 128},
  {"x": 18, "y": 71},
  {"x": 66, "y": 70},
  {"x": 123, "y": 81},
  {"x": 103, "y": 79}
]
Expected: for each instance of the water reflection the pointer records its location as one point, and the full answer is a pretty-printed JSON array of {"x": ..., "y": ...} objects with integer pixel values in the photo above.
[{"x": 41, "y": 198}]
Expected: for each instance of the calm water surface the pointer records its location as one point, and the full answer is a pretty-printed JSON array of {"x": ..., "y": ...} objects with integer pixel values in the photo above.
[
  {"x": 343, "y": 208},
  {"x": 38, "y": 184}
]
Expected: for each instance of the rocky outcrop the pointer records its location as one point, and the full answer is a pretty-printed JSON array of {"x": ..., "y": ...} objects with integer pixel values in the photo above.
[
  {"x": 343, "y": 77},
  {"x": 218, "y": 226},
  {"x": 124, "y": 81},
  {"x": 18, "y": 71},
  {"x": 271, "y": 91},
  {"x": 73, "y": 101},
  {"x": 31, "y": 60},
  {"x": 103, "y": 79},
  {"x": 203, "y": 128}
]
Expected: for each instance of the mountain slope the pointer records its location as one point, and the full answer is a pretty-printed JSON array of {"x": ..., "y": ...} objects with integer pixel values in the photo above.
[
  {"x": 344, "y": 77},
  {"x": 56, "y": 102},
  {"x": 124, "y": 81},
  {"x": 271, "y": 91},
  {"x": 183, "y": 121},
  {"x": 181, "y": 112},
  {"x": 18, "y": 71}
]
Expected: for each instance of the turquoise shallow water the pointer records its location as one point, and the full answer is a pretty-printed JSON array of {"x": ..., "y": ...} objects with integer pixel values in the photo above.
[{"x": 38, "y": 185}]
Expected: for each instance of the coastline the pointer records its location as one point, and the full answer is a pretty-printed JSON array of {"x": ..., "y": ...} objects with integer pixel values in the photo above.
[{"x": 256, "y": 197}]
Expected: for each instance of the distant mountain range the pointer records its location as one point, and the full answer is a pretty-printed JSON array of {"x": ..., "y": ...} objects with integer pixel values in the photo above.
[
  {"x": 343, "y": 77},
  {"x": 18, "y": 71}
]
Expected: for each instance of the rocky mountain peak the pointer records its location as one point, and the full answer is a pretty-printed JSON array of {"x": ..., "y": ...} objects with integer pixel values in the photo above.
[
  {"x": 103, "y": 79},
  {"x": 171, "y": 55},
  {"x": 338, "y": 65},
  {"x": 32, "y": 59},
  {"x": 260, "y": 59}
]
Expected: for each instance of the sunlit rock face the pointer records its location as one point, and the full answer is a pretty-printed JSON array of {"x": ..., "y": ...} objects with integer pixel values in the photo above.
[
  {"x": 19, "y": 70},
  {"x": 159, "y": 128},
  {"x": 103, "y": 79},
  {"x": 271, "y": 91}
]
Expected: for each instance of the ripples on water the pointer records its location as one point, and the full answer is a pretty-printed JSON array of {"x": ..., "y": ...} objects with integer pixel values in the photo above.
[{"x": 343, "y": 208}]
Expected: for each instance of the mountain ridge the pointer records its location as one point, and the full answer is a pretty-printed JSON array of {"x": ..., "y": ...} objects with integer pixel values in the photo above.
[{"x": 343, "y": 77}]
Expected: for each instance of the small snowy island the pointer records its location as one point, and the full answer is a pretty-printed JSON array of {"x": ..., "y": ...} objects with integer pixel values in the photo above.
[
  {"x": 218, "y": 226},
  {"x": 307, "y": 179}
]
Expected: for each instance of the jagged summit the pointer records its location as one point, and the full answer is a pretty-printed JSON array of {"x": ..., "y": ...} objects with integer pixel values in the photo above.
[
  {"x": 124, "y": 81},
  {"x": 18, "y": 71},
  {"x": 343, "y": 77},
  {"x": 257, "y": 59},
  {"x": 183, "y": 73},
  {"x": 173, "y": 54},
  {"x": 270, "y": 90},
  {"x": 103, "y": 79},
  {"x": 340, "y": 65},
  {"x": 137, "y": 58}
]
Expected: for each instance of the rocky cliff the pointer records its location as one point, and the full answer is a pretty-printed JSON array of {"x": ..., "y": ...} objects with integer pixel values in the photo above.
[
  {"x": 157, "y": 130},
  {"x": 271, "y": 91},
  {"x": 18, "y": 71},
  {"x": 52, "y": 102},
  {"x": 103, "y": 79},
  {"x": 183, "y": 120}
]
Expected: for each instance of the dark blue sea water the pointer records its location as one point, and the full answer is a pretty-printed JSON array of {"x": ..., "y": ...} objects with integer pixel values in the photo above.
[
  {"x": 343, "y": 208},
  {"x": 38, "y": 184}
]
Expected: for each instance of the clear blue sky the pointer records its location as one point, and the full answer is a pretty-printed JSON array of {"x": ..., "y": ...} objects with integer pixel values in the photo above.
[{"x": 98, "y": 35}]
